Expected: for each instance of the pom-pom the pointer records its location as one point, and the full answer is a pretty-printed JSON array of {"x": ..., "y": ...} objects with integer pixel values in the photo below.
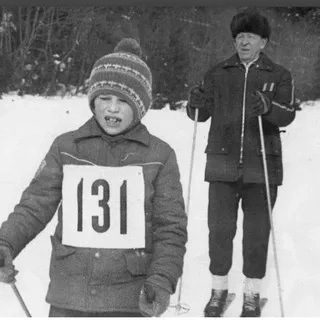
[{"x": 129, "y": 45}]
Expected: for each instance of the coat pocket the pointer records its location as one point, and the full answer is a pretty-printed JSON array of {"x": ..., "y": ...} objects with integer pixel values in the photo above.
[
  {"x": 272, "y": 146},
  {"x": 67, "y": 260},
  {"x": 138, "y": 262},
  {"x": 270, "y": 152},
  {"x": 61, "y": 251},
  {"x": 218, "y": 147}
]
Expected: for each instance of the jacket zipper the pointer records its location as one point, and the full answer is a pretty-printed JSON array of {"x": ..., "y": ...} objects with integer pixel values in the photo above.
[{"x": 243, "y": 113}]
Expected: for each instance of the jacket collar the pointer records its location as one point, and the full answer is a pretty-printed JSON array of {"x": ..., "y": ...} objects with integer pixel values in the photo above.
[
  {"x": 91, "y": 129},
  {"x": 263, "y": 63}
]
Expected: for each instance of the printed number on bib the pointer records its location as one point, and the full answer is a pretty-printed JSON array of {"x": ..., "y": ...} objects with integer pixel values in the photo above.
[{"x": 103, "y": 207}]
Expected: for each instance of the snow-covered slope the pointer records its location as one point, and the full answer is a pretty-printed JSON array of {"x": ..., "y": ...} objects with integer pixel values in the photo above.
[{"x": 28, "y": 126}]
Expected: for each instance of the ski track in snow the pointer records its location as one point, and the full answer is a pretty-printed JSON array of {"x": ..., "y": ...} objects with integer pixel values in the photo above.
[{"x": 28, "y": 126}]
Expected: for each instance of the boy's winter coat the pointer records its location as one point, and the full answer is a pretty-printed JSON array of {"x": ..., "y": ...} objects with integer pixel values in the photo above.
[
  {"x": 234, "y": 146},
  {"x": 89, "y": 279}
]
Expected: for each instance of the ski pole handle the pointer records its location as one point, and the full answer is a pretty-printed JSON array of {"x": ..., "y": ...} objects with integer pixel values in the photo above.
[{"x": 17, "y": 293}]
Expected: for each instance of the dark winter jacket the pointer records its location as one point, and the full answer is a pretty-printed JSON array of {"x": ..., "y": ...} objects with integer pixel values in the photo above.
[
  {"x": 90, "y": 279},
  {"x": 234, "y": 146}
]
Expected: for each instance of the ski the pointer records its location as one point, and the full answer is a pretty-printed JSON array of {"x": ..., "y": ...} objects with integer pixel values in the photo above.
[
  {"x": 263, "y": 302},
  {"x": 230, "y": 298}
]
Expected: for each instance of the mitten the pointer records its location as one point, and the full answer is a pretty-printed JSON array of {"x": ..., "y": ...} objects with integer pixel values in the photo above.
[
  {"x": 153, "y": 300},
  {"x": 7, "y": 271},
  {"x": 197, "y": 97},
  {"x": 260, "y": 104}
]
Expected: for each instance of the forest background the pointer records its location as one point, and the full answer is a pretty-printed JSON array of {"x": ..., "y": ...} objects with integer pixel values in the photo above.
[{"x": 50, "y": 50}]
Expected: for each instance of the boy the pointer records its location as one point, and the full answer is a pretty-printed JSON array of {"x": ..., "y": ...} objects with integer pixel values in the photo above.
[{"x": 120, "y": 240}]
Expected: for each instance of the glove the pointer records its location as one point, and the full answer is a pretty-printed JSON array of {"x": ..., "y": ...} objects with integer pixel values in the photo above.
[
  {"x": 197, "y": 97},
  {"x": 153, "y": 300},
  {"x": 260, "y": 104},
  {"x": 7, "y": 271}
]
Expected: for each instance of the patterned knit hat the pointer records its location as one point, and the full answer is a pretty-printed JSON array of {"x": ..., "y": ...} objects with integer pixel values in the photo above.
[
  {"x": 250, "y": 21},
  {"x": 123, "y": 73}
]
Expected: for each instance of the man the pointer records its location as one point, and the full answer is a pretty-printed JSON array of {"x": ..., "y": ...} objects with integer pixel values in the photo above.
[{"x": 234, "y": 94}]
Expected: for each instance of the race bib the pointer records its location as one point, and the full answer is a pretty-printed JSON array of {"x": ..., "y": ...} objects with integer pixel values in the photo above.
[{"x": 103, "y": 207}]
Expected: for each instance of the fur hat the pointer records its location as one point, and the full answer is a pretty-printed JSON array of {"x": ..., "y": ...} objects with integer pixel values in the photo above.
[
  {"x": 125, "y": 74},
  {"x": 250, "y": 21}
]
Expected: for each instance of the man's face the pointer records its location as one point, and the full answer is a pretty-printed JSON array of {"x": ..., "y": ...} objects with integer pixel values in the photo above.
[{"x": 249, "y": 45}]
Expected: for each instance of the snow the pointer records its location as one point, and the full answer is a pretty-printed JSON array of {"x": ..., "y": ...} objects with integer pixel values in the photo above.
[{"x": 28, "y": 126}]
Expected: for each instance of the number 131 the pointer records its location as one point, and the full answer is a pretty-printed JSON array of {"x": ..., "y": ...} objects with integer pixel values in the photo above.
[{"x": 103, "y": 203}]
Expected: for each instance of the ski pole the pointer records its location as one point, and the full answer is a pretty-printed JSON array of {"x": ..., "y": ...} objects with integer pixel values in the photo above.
[
  {"x": 264, "y": 158},
  {"x": 179, "y": 306},
  {"x": 17, "y": 294}
]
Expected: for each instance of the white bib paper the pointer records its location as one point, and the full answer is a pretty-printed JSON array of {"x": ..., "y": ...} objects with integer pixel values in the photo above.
[{"x": 103, "y": 207}]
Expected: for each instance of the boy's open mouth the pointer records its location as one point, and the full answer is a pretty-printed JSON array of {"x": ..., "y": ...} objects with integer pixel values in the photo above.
[{"x": 112, "y": 119}]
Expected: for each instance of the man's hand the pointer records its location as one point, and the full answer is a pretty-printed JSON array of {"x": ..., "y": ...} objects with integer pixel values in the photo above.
[
  {"x": 260, "y": 104},
  {"x": 197, "y": 96}
]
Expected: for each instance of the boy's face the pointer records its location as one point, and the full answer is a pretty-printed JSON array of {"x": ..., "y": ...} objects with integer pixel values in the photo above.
[{"x": 113, "y": 113}]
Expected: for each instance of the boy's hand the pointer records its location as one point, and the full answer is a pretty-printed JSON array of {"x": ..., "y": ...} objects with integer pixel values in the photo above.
[
  {"x": 153, "y": 301},
  {"x": 7, "y": 271}
]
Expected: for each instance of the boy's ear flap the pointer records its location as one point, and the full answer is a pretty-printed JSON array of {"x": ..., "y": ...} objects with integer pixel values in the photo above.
[{"x": 92, "y": 106}]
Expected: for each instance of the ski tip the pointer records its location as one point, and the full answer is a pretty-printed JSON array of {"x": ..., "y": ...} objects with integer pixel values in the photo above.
[{"x": 263, "y": 301}]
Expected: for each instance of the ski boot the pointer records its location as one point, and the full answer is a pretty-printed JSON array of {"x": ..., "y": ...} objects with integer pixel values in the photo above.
[
  {"x": 214, "y": 307},
  {"x": 251, "y": 305}
]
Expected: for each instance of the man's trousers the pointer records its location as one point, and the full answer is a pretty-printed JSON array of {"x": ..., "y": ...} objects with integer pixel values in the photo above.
[{"x": 223, "y": 206}]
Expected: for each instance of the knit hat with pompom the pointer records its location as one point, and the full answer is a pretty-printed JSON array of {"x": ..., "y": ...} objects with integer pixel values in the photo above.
[{"x": 123, "y": 73}]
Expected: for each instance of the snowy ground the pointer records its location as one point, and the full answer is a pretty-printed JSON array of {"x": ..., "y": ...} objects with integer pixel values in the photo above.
[{"x": 28, "y": 126}]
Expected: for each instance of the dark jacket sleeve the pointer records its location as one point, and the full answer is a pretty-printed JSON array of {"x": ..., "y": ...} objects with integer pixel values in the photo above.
[
  {"x": 282, "y": 110},
  {"x": 37, "y": 205},
  {"x": 169, "y": 225}
]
